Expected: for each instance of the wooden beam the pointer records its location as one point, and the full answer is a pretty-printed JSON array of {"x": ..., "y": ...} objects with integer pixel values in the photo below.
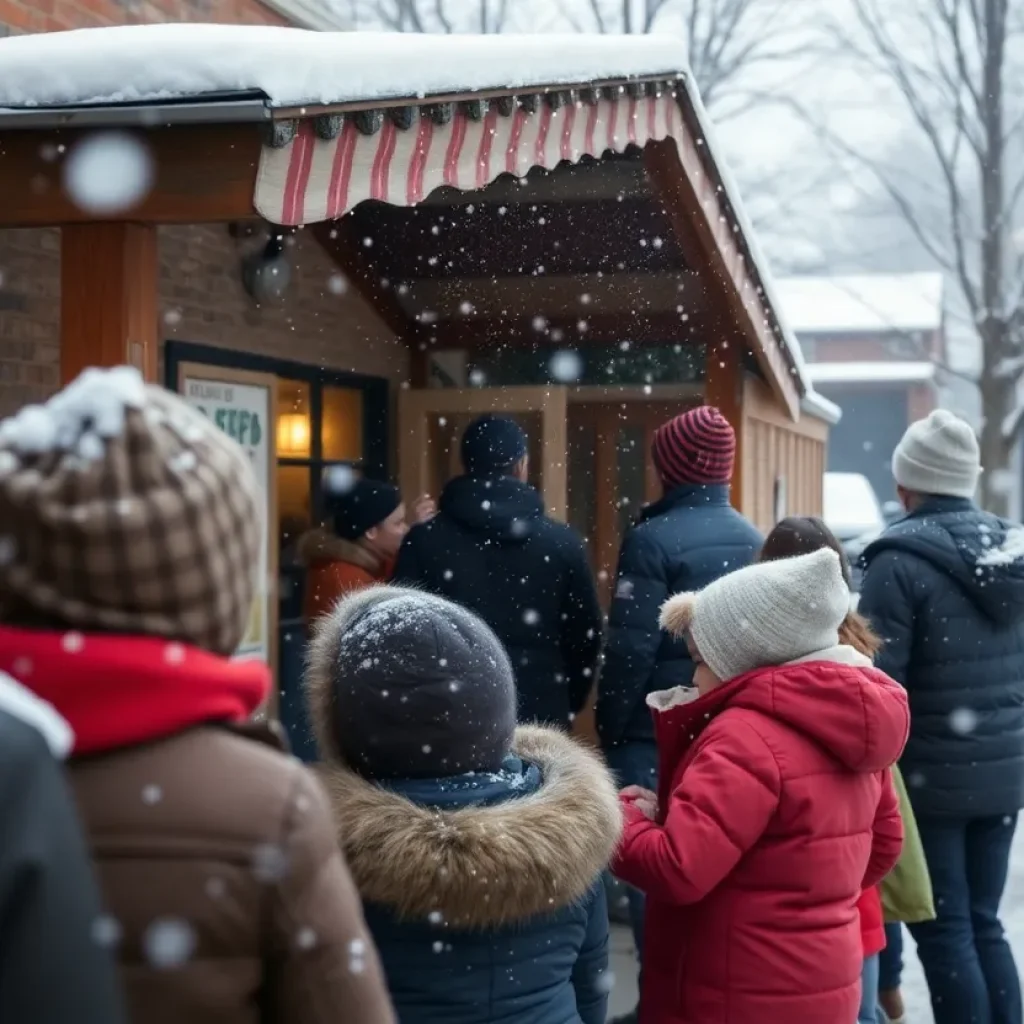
[
  {"x": 201, "y": 173},
  {"x": 690, "y": 200},
  {"x": 641, "y": 329},
  {"x": 109, "y": 297},
  {"x": 723, "y": 388},
  {"x": 340, "y": 242}
]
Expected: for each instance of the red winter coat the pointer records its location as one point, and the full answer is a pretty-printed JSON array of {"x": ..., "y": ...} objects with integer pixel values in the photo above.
[{"x": 775, "y": 811}]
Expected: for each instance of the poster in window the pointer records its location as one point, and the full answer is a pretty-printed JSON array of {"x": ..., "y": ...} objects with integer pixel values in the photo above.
[{"x": 244, "y": 404}]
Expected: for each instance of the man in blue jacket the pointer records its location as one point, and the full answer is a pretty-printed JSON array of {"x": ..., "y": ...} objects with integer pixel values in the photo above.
[
  {"x": 685, "y": 541},
  {"x": 944, "y": 587}
]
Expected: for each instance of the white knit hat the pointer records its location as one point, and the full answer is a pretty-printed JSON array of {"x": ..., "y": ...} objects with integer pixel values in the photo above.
[
  {"x": 938, "y": 455},
  {"x": 770, "y": 613}
]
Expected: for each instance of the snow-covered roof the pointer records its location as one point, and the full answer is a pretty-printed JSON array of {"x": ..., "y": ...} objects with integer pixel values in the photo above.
[
  {"x": 292, "y": 67},
  {"x": 864, "y": 302},
  {"x": 871, "y": 372}
]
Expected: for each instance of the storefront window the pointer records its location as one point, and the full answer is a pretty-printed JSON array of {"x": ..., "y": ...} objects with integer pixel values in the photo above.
[{"x": 341, "y": 424}]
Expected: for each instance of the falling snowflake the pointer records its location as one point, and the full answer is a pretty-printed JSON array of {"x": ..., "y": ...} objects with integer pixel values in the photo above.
[
  {"x": 269, "y": 863},
  {"x": 566, "y": 366},
  {"x": 72, "y": 642},
  {"x": 531, "y": 617},
  {"x": 339, "y": 479},
  {"x": 106, "y": 931},
  {"x": 963, "y": 721},
  {"x": 306, "y": 939},
  {"x": 169, "y": 943},
  {"x": 152, "y": 794},
  {"x": 174, "y": 654},
  {"x": 337, "y": 284},
  {"x": 108, "y": 173}
]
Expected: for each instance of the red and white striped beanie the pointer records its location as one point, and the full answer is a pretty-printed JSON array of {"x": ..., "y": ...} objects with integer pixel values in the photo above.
[{"x": 697, "y": 447}]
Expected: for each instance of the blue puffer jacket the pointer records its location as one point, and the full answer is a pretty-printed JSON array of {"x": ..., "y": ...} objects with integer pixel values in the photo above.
[
  {"x": 483, "y": 892},
  {"x": 683, "y": 542},
  {"x": 944, "y": 588}
]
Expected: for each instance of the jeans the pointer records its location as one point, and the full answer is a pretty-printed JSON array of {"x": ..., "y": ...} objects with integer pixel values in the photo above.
[
  {"x": 635, "y": 764},
  {"x": 870, "y": 1012},
  {"x": 972, "y": 977},
  {"x": 890, "y": 960}
]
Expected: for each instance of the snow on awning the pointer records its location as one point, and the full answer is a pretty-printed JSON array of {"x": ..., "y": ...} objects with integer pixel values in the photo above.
[{"x": 319, "y": 169}]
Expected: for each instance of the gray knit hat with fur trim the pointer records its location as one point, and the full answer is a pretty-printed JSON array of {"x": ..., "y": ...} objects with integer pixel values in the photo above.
[{"x": 767, "y": 614}]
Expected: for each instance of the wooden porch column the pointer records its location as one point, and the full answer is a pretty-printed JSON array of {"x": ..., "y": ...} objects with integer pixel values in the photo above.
[
  {"x": 109, "y": 297},
  {"x": 723, "y": 388}
]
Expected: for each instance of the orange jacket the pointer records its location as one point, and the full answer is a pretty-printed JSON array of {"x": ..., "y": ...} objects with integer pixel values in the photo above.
[{"x": 335, "y": 567}]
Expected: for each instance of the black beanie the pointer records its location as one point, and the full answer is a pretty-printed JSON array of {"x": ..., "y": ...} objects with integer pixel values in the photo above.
[
  {"x": 421, "y": 687},
  {"x": 492, "y": 445},
  {"x": 361, "y": 507}
]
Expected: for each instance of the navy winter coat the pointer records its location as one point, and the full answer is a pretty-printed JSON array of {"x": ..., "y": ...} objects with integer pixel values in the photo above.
[
  {"x": 491, "y": 549},
  {"x": 683, "y": 542},
  {"x": 483, "y": 892},
  {"x": 944, "y": 587}
]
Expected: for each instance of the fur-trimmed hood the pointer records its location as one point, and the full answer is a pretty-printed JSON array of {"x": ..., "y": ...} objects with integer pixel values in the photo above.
[
  {"x": 483, "y": 866},
  {"x": 319, "y": 545}
]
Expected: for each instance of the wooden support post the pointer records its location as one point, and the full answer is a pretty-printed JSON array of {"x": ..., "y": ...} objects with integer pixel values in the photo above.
[
  {"x": 109, "y": 297},
  {"x": 723, "y": 388}
]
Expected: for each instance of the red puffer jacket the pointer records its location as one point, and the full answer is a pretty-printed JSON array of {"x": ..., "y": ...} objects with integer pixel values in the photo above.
[{"x": 776, "y": 811}]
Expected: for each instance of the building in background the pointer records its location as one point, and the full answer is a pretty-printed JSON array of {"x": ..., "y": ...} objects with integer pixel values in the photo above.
[{"x": 876, "y": 345}]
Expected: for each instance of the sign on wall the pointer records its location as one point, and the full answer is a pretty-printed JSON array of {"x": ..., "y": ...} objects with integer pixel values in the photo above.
[{"x": 243, "y": 404}]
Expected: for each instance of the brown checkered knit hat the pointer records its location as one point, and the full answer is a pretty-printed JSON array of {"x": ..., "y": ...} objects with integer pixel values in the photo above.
[{"x": 124, "y": 509}]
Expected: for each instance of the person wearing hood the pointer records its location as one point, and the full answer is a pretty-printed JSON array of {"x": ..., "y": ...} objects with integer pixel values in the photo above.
[
  {"x": 367, "y": 527},
  {"x": 477, "y": 846},
  {"x": 51, "y": 968},
  {"x": 132, "y": 532},
  {"x": 775, "y": 807},
  {"x": 492, "y": 549},
  {"x": 944, "y": 588}
]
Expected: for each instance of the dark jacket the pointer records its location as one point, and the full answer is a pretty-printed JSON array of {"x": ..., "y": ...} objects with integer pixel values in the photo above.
[
  {"x": 483, "y": 892},
  {"x": 492, "y": 549},
  {"x": 683, "y": 542},
  {"x": 52, "y": 970},
  {"x": 945, "y": 589}
]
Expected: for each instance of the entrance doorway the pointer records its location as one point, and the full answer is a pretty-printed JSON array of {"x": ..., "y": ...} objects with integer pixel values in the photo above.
[{"x": 588, "y": 450}]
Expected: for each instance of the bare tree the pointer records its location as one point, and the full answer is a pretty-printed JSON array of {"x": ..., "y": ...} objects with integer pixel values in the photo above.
[
  {"x": 446, "y": 16},
  {"x": 950, "y": 63},
  {"x": 727, "y": 41}
]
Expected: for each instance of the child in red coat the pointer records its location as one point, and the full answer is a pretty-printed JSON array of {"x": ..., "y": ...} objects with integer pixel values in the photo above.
[{"x": 775, "y": 809}]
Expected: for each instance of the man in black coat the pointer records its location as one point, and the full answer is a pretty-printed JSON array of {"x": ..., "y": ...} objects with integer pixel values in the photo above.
[
  {"x": 944, "y": 587},
  {"x": 492, "y": 549},
  {"x": 54, "y": 967},
  {"x": 684, "y": 541}
]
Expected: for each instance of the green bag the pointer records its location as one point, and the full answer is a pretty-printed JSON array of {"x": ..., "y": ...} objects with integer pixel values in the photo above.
[{"x": 907, "y": 889}]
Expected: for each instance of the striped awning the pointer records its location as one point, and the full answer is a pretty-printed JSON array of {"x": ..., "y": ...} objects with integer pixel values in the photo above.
[{"x": 312, "y": 178}]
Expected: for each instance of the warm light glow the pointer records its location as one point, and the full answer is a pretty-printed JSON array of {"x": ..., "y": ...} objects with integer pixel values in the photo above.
[{"x": 293, "y": 435}]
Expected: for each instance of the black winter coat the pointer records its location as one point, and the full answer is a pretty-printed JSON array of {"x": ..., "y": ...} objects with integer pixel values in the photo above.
[
  {"x": 683, "y": 542},
  {"x": 492, "y": 549},
  {"x": 944, "y": 588},
  {"x": 53, "y": 968}
]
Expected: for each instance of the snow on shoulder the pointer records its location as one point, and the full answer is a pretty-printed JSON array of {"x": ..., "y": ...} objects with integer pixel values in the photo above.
[
  {"x": 79, "y": 419},
  {"x": 292, "y": 67},
  {"x": 1010, "y": 551}
]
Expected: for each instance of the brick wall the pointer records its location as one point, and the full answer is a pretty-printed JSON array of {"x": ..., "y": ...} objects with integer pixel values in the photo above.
[
  {"x": 202, "y": 297},
  {"x": 53, "y": 15},
  {"x": 202, "y": 301}
]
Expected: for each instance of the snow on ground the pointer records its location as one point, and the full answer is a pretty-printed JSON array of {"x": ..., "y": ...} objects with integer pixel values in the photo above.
[
  {"x": 623, "y": 996},
  {"x": 138, "y": 63}
]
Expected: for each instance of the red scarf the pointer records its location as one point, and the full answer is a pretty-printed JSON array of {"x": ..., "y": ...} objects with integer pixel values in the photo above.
[{"x": 117, "y": 691}]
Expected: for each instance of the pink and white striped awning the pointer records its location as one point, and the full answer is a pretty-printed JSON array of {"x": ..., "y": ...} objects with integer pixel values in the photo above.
[{"x": 314, "y": 179}]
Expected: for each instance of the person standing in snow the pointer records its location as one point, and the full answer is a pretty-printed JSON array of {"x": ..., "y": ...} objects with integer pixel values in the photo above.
[
  {"x": 684, "y": 541},
  {"x": 492, "y": 549},
  {"x": 477, "y": 847},
  {"x": 133, "y": 530},
  {"x": 367, "y": 527},
  {"x": 52, "y": 971},
  {"x": 775, "y": 809},
  {"x": 944, "y": 588}
]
